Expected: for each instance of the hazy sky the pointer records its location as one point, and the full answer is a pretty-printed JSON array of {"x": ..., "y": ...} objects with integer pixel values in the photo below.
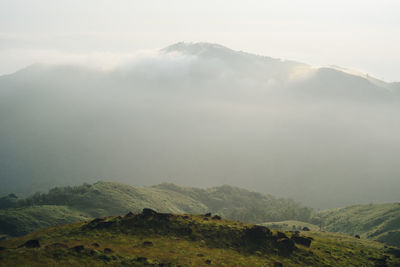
[{"x": 363, "y": 35}]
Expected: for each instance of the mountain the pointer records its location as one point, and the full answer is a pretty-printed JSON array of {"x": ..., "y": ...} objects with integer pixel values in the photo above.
[
  {"x": 200, "y": 114},
  {"x": 162, "y": 239},
  {"x": 71, "y": 204},
  {"x": 380, "y": 222}
]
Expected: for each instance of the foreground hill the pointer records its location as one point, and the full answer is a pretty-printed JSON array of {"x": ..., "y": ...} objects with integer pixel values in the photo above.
[
  {"x": 156, "y": 239},
  {"x": 70, "y": 204},
  {"x": 380, "y": 222}
]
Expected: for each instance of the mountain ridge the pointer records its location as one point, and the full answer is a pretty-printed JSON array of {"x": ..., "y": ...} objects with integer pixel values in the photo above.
[{"x": 109, "y": 198}]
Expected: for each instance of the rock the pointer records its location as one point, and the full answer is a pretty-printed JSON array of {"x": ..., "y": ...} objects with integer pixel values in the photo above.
[
  {"x": 56, "y": 245},
  {"x": 96, "y": 245},
  {"x": 148, "y": 212},
  {"x": 305, "y": 241},
  {"x": 278, "y": 264},
  {"x": 33, "y": 243},
  {"x": 216, "y": 217},
  {"x": 207, "y": 262},
  {"x": 285, "y": 246},
  {"x": 129, "y": 214},
  {"x": 207, "y": 214},
  {"x": 97, "y": 220},
  {"x": 258, "y": 232},
  {"x": 357, "y": 236},
  {"x": 147, "y": 243},
  {"x": 305, "y": 228},
  {"x": 99, "y": 223},
  {"x": 78, "y": 248},
  {"x": 281, "y": 235},
  {"x": 108, "y": 250}
]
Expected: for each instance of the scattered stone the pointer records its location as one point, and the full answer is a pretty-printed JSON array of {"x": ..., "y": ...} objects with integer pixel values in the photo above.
[
  {"x": 93, "y": 252},
  {"x": 216, "y": 217},
  {"x": 207, "y": 262},
  {"x": 305, "y": 228},
  {"x": 305, "y": 241},
  {"x": 97, "y": 220},
  {"x": 96, "y": 245},
  {"x": 207, "y": 214},
  {"x": 281, "y": 235},
  {"x": 56, "y": 245},
  {"x": 33, "y": 243},
  {"x": 258, "y": 233},
  {"x": 129, "y": 214},
  {"x": 148, "y": 212},
  {"x": 147, "y": 243},
  {"x": 357, "y": 236},
  {"x": 108, "y": 250},
  {"x": 278, "y": 264},
  {"x": 285, "y": 246},
  {"x": 78, "y": 248}
]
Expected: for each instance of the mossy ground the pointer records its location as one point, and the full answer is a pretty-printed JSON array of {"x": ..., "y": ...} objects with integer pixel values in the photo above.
[{"x": 210, "y": 242}]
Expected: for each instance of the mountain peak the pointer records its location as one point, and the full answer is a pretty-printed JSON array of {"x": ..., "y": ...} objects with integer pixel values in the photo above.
[{"x": 195, "y": 48}]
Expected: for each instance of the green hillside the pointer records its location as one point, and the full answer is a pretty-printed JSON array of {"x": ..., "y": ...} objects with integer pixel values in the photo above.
[
  {"x": 155, "y": 239},
  {"x": 70, "y": 204},
  {"x": 380, "y": 222}
]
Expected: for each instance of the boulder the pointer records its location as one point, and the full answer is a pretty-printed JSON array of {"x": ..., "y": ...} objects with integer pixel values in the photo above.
[
  {"x": 78, "y": 248},
  {"x": 301, "y": 240},
  {"x": 216, "y": 217},
  {"x": 108, "y": 250},
  {"x": 281, "y": 235},
  {"x": 148, "y": 212},
  {"x": 129, "y": 214},
  {"x": 285, "y": 246},
  {"x": 33, "y": 243}
]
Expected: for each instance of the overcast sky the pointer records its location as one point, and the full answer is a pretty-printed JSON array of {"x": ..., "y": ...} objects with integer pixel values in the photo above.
[{"x": 363, "y": 35}]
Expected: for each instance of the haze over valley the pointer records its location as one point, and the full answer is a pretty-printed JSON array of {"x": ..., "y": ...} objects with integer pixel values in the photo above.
[{"x": 201, "y": 114}]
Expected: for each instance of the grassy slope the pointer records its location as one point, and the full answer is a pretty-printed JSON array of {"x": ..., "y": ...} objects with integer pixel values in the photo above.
[
  {"x": 224, "y": 243},
  {"x": 62, "y": 205},
  {"x": 375, "y": 221},
  {"x": 20, "y": 221},
  {"x": 291, "y": 225}
]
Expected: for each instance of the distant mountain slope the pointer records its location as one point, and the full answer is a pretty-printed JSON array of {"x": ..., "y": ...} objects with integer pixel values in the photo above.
[
  {"x": 202, "y": 114},
  {"x": 379, "y": 222},
  {"x": 68, "y": 204}
]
